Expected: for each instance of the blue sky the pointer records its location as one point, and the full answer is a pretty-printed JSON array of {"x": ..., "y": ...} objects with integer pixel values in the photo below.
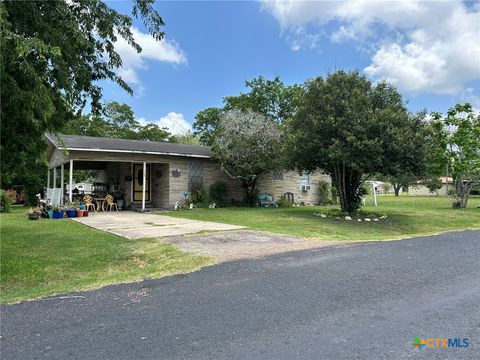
[{"x": 430, "y": 50}]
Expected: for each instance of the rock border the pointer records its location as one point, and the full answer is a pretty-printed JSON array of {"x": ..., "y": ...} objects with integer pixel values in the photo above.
[{"x": 349, "y": 218}]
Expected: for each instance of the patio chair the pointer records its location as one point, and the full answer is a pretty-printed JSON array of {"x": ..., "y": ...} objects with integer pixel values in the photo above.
[
  {"x": 110, "y": 202},
  {"x": 88, "y": 201}
]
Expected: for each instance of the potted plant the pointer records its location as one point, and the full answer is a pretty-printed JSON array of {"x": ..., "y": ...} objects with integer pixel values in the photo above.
[
  {"x": 118, "y": 195},
  {"x": 72, "y": 209},
  {"x": 34, "y": 214},
  {"x": 58, "y": 212}
]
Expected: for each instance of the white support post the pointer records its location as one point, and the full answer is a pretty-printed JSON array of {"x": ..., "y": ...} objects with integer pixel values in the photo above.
[
  {"x": 374, "y": 193},
  {"x": 62, "y": 184},
  {"x": 144, "y": 184},
  {"x": 55, "y": 177},
  {"x": 48, "y": 178},
  {"x": 70, "y": 181}
]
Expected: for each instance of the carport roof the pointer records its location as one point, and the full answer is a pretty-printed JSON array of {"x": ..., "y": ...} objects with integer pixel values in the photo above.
[{"x": 101, "y": 144}]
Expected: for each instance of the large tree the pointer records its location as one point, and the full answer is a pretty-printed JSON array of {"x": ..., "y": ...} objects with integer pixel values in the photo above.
[
  {"x": 271, "y": 98},
  {"x": 351, "y": 129},
  {"x": 53, "y": 55},
  {"x": 117, "y": 121},
  {"x": 458, "y": 139},
  {"x": 247, "y": 145}
]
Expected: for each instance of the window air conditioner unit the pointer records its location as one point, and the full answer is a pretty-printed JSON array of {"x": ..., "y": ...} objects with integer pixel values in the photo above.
[{"x": 305, "y": 187}]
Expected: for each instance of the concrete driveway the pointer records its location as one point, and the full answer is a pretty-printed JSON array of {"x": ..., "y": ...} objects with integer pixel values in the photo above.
[{"x": 133, "y": 225}]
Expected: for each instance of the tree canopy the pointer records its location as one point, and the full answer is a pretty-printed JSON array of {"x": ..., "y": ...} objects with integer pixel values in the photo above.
[
  {"x": 54, "y": 53},
  {"x": 118, "y": 121},
  {"x": 271, "y": 98},
  {"x": 247, "y": 145},
  {"x": 458, "y": 146},
  {"x": 352, "y": 129}
]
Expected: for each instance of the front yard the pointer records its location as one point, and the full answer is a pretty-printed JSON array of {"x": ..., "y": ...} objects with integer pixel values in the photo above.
[
  {"x": 46, "y": 257},
  {"x": 407, "y": 217}
]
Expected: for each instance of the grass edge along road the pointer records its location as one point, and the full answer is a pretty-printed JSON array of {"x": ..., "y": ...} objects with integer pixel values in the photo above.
[
  {"x": 49, "y": 257},
  {"x": 408, "y": 216}
]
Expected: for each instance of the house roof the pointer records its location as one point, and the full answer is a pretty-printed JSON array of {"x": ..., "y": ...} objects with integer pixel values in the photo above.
[{"x": 101, "y": 144}]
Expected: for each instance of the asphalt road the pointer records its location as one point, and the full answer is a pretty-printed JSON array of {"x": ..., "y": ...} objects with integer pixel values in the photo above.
[{"x": 362, "y": 301}]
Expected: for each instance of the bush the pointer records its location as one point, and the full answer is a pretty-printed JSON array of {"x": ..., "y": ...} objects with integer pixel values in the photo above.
[
  {"x": 334, "y": 195},
  {"x": 218, "y": 192},
  {"x": 5, "y": 202},
  {"x": 324, "y": 190},
  {"x": 283, "y": 202},
  {"x": 198, "y": 196}
]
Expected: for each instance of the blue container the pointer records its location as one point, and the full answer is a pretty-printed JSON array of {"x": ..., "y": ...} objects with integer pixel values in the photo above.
[
  {"x": 71, "y": 213},
  {"x": 58, "y": 214},
  {"x": 82, "y": 206}
]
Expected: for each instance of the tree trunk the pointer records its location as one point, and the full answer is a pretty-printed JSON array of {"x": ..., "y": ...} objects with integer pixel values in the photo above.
[
  {"x": 462, "y": 191},
  {"x": 396, "y": 188},
  {"x": 250, "y": 191},
  {"x": 348, "y": 183}
]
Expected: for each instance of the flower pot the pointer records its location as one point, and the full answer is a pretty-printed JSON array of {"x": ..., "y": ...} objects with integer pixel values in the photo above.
[
  {"x": 50, "y": 214},
  {"x": 82, "y": 206},
  {"x": 58, "y": 214},
  {"x": 85, "y": 213},
  {"x": 80, "y": 212},
  {"x": 34, "y": 216},
  {"x": 71, "y": 213}
]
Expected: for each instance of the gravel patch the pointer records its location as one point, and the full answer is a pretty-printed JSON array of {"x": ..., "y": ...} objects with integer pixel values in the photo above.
[{"x": 243, "y": 244}]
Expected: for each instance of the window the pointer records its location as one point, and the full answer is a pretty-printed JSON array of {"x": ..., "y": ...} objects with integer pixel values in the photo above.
[
  {"x": 277, "y": 174},
  {"x": 195, "y": 173},
  {"x": 304, "y": 178}
]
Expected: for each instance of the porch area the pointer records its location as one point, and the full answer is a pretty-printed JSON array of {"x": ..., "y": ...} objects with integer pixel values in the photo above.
[{"x": 134, "y": 185}]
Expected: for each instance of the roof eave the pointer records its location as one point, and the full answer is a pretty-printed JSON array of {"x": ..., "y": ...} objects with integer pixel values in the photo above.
[{"x": 140, "y": 152}]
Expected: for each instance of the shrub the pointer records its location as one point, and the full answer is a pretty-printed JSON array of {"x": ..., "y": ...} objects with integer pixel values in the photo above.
[
  {"x": 5, "y": 201},
  {"x": 324, "y": 190},
  {"x": 218, "y": 192},
  {"x": 283, "y": 202},
  {"x": 198, "y": 196},
  {"x": 334, "y": 195}
]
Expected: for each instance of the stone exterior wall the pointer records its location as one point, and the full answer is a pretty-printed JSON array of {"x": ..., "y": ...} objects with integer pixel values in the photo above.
[
  {"x": 160, "y": 185},
  {"x": 291, "y": 183},
  {"x": 167, "y": 187}
]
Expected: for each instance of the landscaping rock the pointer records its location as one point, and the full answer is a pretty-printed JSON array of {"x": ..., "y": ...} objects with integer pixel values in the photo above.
[
  {"x": 348, "y": 218},
  {"x": 323, "y": 215},
  {"x": 367, "y": 219},
  {"x": 359, "y": 219},
  {"x": 375, "y": 219}
]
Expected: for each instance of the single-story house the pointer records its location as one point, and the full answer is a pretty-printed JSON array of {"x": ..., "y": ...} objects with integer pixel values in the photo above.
[
  {"x": 158, "y": 174},
  {"x": 419, "y": 189}
]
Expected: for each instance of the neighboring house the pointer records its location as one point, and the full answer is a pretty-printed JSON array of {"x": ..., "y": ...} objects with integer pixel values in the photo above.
[
  {"x": 165, "y": 168},
  {"x": 419, "y": 189}
]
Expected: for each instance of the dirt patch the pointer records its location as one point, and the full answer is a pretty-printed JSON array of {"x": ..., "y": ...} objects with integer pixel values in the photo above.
[{"x": 242, "y": 244}]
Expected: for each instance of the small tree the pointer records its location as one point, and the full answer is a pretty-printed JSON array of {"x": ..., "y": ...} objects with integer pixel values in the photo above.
[
  {"x": 433, "y": 185},
  {"x": 247, "y": 145},
  {"x": 458, "y": 139}
]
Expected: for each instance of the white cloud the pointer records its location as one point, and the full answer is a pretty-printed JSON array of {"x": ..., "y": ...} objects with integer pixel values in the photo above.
[
  {"x": 152, "y": 50},
  {"x": 419, "y": 45},
  {"x": 174, "y": 122}
]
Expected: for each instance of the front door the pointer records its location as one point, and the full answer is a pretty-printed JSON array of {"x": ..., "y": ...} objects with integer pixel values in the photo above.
[{"x": 138, "y": 182}]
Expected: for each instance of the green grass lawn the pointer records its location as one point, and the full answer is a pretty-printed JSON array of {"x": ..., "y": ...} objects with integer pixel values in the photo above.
[
  {"x": 46, "y": 257},
  {"x": 407, "y": 217}
]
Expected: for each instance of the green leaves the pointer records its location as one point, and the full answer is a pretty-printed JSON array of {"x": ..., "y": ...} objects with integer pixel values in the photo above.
[
  {"x": 350, "y": 128},
  {"x": 457, "y": 139},
  {"x": 54, "y": 53}
]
